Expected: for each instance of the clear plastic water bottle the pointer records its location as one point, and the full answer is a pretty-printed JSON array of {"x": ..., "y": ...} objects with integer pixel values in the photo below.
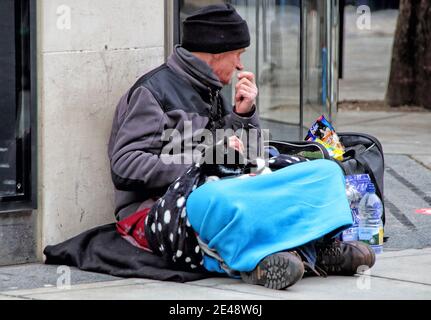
[
  {"x": 354, "y": 196},
  {"x": 370, "y": 219}
]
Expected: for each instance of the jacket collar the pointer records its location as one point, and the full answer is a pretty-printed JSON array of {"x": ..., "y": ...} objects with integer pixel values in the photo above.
[{"x": 194, "y": 70}]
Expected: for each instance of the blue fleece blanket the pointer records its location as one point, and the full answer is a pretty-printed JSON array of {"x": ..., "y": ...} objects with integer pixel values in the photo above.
[{"x": 245, "y": 220}]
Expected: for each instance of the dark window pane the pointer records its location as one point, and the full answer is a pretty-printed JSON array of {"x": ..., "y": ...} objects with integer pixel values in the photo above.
[
  {"x": 7, "y": 98},
  {"x": 16, "y": 99}
]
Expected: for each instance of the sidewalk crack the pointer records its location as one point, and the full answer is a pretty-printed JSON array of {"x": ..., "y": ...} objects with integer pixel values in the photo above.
[{"x": 399, "y": 280}]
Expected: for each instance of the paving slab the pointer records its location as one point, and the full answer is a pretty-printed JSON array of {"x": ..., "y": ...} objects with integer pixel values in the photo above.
[
  {"x": 399, "y": 132},
  {"x": 30, "y": 276},
  {"x": 424, "y": 159},
  {"x": 339, "y": 288},
  {"x": 52, "y": 290},
  {"x": 342, "y": 288},
  {"x": 148, "y": 291},
  {"x": 4, "y": 298},
  {"x": 389, "y": 254},
  {"x": 413, "y": 267}
]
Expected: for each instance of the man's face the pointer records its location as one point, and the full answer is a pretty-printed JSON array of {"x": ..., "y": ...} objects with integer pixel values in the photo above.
[{"x": 225, "y": 64}]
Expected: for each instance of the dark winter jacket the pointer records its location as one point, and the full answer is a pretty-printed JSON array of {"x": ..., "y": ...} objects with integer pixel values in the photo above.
[{"x": 183, "y": 89}]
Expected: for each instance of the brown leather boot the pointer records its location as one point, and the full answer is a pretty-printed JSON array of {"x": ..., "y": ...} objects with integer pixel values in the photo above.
[
  {"x": 277, "y": 271},
  {"x": 344, "y": 258}
]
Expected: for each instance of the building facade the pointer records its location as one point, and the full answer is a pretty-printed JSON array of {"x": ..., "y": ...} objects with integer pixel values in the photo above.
[{"x": 64, "y": 66}]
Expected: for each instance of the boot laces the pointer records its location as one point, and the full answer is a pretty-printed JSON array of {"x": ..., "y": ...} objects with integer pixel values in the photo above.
[
  {"x": 316, "y": 270},
  {"x": 308, "y": 267},
  {"x": 331, "y": 257}
]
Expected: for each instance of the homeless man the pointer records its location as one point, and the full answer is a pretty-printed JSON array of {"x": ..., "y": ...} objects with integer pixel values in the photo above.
[{"x": 152, "y": 193}]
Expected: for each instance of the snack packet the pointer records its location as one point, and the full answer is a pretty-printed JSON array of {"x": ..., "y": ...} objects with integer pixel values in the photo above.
[
  {"x": 333, "y": 152},
  {"x": 323, "y": 131}
]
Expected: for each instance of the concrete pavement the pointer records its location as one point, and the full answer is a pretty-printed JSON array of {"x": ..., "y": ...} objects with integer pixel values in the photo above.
[
  {"x": 401, "y": 133},
  {"x": 398, "y": 275}
]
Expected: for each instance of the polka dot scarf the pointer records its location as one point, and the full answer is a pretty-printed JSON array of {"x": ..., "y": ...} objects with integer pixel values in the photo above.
[{"x": 167, "y": 229}]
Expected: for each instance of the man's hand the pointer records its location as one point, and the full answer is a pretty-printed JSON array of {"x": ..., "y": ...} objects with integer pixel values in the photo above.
[
  {"x": 236, "y": 143},
  {"x": 246, "y": 92}
]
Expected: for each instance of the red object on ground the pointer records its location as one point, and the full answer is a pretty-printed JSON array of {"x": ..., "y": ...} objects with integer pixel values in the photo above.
[
  {"x": 425, "y": 211},
  {"x": 132, "y": 229}
]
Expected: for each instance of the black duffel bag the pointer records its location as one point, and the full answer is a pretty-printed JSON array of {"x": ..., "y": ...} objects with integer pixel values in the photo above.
[{"x": 364, "y": 154}]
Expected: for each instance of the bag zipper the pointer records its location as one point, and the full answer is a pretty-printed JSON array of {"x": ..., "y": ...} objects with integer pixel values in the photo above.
[
  {"x": 371, "y": 138},
  {"x": 321, "y": 148}
]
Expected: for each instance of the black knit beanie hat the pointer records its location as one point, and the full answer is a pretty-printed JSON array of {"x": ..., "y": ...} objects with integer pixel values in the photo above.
[{"x": 215, "y": 29}]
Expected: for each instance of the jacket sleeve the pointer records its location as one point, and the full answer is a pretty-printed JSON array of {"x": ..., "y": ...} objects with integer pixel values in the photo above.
[
  {"x": 253, "y": 140},
  {"x": 249, "y": 121},
  {"x": 136, "y": 162}
]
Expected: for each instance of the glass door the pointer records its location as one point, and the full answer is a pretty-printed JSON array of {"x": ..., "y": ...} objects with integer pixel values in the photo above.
[
  {"x": 278, "y": 58},
  {"x": 274, "y": 57},
  {"x": 334, "y": 33},
  {"x": 314, "y": 57},
  {"x": 319, "y": 60}
]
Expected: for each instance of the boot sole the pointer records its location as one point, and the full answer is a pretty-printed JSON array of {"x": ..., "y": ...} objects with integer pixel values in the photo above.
[{"x": 275, "y": 272}]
